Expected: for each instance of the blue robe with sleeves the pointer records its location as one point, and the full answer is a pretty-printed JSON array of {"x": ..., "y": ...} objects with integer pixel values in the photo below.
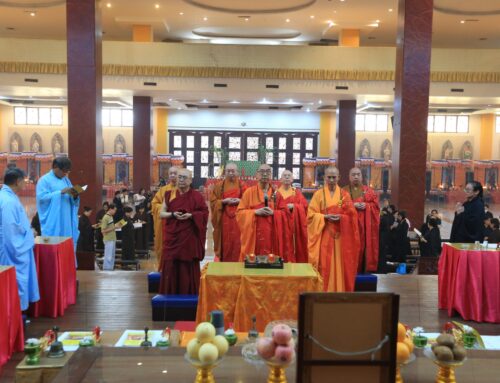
[
  {"x": 58, "y": 212},
  {"x": 16, "y": 245}
]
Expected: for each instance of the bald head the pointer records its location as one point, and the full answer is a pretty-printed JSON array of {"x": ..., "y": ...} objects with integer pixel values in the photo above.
[
  {"x": 355, "y": 176},
  {"x": 231, "y": 171},
  {"x": 172, "y": 175},
  {"x": 331, "y": 177},
  {"x": 184, "y": 179},
  {"x": 264, "y": 174},
  {"x": 286, "y": 178}
]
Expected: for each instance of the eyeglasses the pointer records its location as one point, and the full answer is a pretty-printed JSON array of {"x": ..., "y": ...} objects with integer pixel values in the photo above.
[{"x": 182, "y": 177}]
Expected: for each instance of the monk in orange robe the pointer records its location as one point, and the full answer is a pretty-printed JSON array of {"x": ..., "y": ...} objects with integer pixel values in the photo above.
[
  {"x": 255, "y": 217},
  {"x": 224, "y": 201},
  {"x": 366, "y": 203},
  {"x": 185, "y": 213},
  {"x": 156, "y": 206},
  {"x": 333, "y": 236},
  {"x": 291, "y": 209}
]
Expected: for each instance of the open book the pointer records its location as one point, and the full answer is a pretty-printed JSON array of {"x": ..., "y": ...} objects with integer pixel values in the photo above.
[
  {"x": 417, "y": 232},
  {"x": 78, "y": 189}
]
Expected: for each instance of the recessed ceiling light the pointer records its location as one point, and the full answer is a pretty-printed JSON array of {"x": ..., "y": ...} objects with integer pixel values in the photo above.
[
  {"x": 390, "y": 9},
  {"x": 169, "y": 99},
  {"x": 462, "y": 21},
  {"x": 375, "y": 25},
  {"x": 32, "y": 13},
  {"x": 108, "y": 5},
  {"x": 331, "y": 23},
  {"x": 205, "y": 18},
  {"x": 308, "y": 110},
  {"x": 287, "y": 20},
  {"x": 157, "y": 6},
  {"x": 377, "y": 21},
  {"x": 312, "y": 16},
  {"x": 247, "y": 18},
  {"x": 179, "y": 108},
  {"x": 204, "y": 101},
  {"x": 181, "y": 13},
  {"x": 320, "y": 102},
  {"x": 342, "y": 1},
  {"x": 234, "y": 102}
]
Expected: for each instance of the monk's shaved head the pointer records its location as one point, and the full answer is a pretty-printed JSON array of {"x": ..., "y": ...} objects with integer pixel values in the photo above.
[
  {"x": 231, "y": 171},
  {"x": 172, "y": 175},
  {"x": 355, "y": 176},
  {"x": 331, "y": 177}
]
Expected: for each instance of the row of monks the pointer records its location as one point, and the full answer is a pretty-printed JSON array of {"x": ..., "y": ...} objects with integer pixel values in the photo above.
[{"x": 337, "y": 232}]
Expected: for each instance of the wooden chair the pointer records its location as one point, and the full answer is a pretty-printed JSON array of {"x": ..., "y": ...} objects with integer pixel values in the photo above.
[{"x": 347, "y": 337}]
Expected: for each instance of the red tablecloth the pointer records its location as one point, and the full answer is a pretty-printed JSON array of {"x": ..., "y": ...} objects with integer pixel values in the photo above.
[
  {"x": 11, "y": 321},
  {"x": 56, "y": 270},
  {"x": 469, "y": 282}
]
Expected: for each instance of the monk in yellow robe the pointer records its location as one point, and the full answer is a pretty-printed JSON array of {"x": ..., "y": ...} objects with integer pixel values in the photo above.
[
  {"x": 333, "y": 238},
  {"x": 156, "y": 206},
  {"x": 224, "y": 201},
  {"x": 255, "y": 216}
]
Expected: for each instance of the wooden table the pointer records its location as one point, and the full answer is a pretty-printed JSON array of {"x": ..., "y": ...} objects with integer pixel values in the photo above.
[
  {"x": 469, "y": 282},
  {"x": 56, "y": 270},
  {"x": 11, "y": 321},
  {"x": 152, "y": 365},
  {"x": 269, "y": 294}
]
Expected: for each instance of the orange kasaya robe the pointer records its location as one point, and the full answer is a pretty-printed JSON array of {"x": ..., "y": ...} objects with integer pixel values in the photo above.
[
  {"x": 258, "y": 234},
  {"x": 333, "y": 246},
  {"x": 293, "y": 243},
  {"x": 368, "y": 225},
  {"x": 156, "y": 205},
  {"x": 226, "y": 232}
]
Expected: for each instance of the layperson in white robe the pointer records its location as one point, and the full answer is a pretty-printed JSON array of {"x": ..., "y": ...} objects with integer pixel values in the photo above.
[
  {"x": 16, "y": 238},
  {"x": 57, "y": 203}
]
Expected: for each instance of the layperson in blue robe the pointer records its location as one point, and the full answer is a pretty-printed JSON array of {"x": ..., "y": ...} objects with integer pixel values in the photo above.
[
  {"x": 17, "y": 239},
  {"x": 57, "y": 202}
]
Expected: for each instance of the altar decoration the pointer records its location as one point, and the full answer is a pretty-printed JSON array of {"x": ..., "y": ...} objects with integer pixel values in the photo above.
[
  {"x": 32, "y": 349},
  {"x": 465, "y": 335},
  {"x": 404, "y": 350},
  {"x": 448, "y": 354},
  {"x": 134, "y": 338},
  {"x": 205, "y": 351},
  {"x": 269, "y": 261},
  {"x": 230, "y": 335},
  {"x": 278, "y": 351}
]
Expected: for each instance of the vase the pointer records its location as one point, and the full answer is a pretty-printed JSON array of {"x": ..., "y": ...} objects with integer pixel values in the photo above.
[{"x": 32, "y": 355}]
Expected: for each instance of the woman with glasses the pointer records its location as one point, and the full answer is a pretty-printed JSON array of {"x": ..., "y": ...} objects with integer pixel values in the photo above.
[{"x": 468, "y": 225}]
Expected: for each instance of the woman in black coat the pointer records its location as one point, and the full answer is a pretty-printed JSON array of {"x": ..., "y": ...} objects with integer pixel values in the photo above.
[
  {"x": 430, "y": 242},
  {"x": 401, "y": 242},
  {"x": 468, "y": 225}
]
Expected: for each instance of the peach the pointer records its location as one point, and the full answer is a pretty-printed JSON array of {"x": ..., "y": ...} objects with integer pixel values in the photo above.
[
  {"x": 266, "y": 347},
  {"x": 208, "y": 353},
  {"x": 284, "y": 354},
  {"x": 221, "y": 343},
  {"x": 205, "y": 332},
  {"x": 282, "y": 334},
  {"x": 193, "y": 347}
]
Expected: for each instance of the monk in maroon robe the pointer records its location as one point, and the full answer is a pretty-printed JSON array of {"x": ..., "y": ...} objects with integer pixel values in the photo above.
[
  {"x": 291, "y": 209},
  {"x": 366, "y": 203},
  {"x": 184, "y": 234}
]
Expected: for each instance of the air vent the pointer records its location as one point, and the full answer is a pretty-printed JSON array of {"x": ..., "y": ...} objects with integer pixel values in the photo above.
[
  {"x": 324, "y": 42},
  {"x": 273, "y": 107},
  {"x": 30, "y": 80},
  {"x": 191, "y": 106},
  {"x": 339, "y": 87},
  {"x": 213, "y": 106},
  {"x": 220, "y": 85},
  {"x": 457, "y": 90},
  {"x": 150, "y": 84},
  {"x": 324, "y": 107},
  {"x": 441, "y": 110},
  {"x": 272, "y": 86}
]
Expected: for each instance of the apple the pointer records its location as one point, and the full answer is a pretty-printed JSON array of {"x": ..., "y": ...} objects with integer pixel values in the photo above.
[
  {"x": 282, "y": 334},
  {"x": 266, "y": 348},
  {"x": 284, "y": 354}
]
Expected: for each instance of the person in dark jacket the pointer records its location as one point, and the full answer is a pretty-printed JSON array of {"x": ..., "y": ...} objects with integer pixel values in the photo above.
[
  {"x": 487, "y": 212},
  {"x": 401, "y": 242},
  {"x": 468, "y": 225},
  {"x": 86, "y": 238},
  {"x": 495, "y": 235},
  {"x": 119, "y": 206},
  {"x": 141, "y": 234},
  {"x": 386, "y": 221},
  {"x": 434, "y": 214},
  {"x": 35, "y": 224},
  {"x": 128, "y": 243},
  {"x": 430, "y": 241}
]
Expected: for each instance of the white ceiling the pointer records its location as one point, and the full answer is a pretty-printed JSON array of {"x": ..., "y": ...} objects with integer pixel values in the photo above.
[{"x": 309, "y": 21}]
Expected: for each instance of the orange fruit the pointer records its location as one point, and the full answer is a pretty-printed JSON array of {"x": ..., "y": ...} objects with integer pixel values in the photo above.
[
  {"x": 401, "y": 332},
  {"x": 409, "y": 343},
  {"x": 402, "y": 353}
]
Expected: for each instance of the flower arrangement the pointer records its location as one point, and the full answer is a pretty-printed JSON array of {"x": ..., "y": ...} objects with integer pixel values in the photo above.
[{"x": 465, "y": 335}]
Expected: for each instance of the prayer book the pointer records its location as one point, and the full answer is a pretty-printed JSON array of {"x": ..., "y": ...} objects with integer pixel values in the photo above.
[
  {"x": 121, "y": 223},
  {"x": 79, "y": 189},
  {"x": 417, "y": 232}
]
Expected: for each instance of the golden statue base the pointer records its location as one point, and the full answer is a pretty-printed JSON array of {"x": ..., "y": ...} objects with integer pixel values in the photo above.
[
  {"x": 204, "y": 375},
  {"x": 276, "y": 374},
  {"x": 446, "y": 374}
]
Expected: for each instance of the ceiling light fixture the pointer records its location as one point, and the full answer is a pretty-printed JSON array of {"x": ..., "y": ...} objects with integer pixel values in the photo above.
[
  {"x": 375, "y": 25},
  {"x": 247, "y": 18},
  {"x": 157, "y": 6},
  {"x": 181, "y": 13},
  {"x": 287, "y": 20},
  {"x": 32, "y": 13},
  {"x": 462, "y": 21},
  {"x": 320, "y": 102},
  {"x": 204, "y": 101},
  {"x": 308, "y": 110},
  {"x": 108, "y": 5},
  {"x": 312, "y": 16},
  {"x": 377, "y": 21},
  {"x": 390, "y": 9},
  {"x": 205, "y": 18},
  {"x": 234, "y": 102}
]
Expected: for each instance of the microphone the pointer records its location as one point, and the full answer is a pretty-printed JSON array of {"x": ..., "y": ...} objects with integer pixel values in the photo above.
[{"x": 266, "y": 200}]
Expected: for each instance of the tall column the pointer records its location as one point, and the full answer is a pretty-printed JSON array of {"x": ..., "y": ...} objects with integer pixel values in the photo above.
[
  {"x": 142, "y": 137},
  {"x": 161, "y": 131},
  {"x": 346, "y": 132},
  {"x": 83, "y": 25},
  {"x": 411, "y": 107},
  {"x": 486, "y": 136}
]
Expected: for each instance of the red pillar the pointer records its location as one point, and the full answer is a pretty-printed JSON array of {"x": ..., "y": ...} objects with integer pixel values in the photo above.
[
  {"x": 411, "y": 107},
  {"x": 83, "y": 23},
  {"x": 143, "y": 161},
  {"x": 346, "y": 134}
]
